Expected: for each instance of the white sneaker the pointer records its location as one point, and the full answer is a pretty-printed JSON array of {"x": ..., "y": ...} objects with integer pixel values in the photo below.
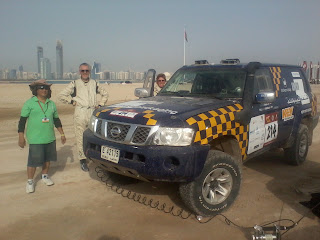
[
  {"x": 30, "y": 187},
  {"x": 46, "y": 180}
]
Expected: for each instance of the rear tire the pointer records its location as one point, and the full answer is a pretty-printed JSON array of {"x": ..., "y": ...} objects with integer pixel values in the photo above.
[
  {"x": 217, "y": 186},
  {"x": 297, "y": 153}
]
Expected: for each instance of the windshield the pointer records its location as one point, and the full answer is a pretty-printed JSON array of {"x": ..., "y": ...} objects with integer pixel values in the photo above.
[{"x": 206, "y": 82}]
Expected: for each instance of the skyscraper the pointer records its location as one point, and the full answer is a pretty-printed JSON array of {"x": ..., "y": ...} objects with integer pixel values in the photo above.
[
  {"x": 59, "y": 60},
  {"x": 96, "y": 68},
  {"x": 45, "y": 68},
  {"x": 40, "y": 55},
  {"x": 13, "y": 74}
]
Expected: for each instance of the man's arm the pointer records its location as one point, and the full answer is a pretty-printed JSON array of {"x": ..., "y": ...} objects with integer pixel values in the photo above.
[
  {"x": 104, "y": 94},
  {"x": 65, "y": 95},
  {"x": 21, "y": 128},
  {"x": 63, "y": 137}
]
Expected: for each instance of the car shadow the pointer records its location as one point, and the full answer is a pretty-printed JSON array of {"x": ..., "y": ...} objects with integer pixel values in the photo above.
[
  {"x": 290, "y": 184},
  {"x": 160, "y": 195},
  {"x": 308, "y": 232}
]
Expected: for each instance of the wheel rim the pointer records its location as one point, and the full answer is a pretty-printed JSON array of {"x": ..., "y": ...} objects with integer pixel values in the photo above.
[
  {"x": 303, "y": 145},
  {"x": 217, "y": 186}
]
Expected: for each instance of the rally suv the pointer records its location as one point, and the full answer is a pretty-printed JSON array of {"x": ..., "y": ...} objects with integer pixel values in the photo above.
[{"x": 201, "y": 127}]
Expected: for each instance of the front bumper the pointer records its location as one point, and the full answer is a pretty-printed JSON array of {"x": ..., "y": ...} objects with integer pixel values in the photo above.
[{"x": 157, "y": 163}]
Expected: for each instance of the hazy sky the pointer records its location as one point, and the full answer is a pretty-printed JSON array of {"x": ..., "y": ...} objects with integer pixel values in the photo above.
[{"x": 143, "y": 34}]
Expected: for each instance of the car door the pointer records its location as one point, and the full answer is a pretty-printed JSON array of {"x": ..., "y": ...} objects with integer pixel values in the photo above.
[{"x": 264, "y": 129}]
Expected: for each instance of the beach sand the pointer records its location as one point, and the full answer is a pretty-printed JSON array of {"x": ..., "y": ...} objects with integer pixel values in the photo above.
[{"x": 80, "y": 206}]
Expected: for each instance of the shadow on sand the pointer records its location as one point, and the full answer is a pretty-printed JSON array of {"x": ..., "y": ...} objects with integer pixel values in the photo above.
[
  {"x": 105, "y": 237},
  {"x": 287, "y": 181},
  {"x": 64, "y": 155},
  {"x": 163, "y": 194}
]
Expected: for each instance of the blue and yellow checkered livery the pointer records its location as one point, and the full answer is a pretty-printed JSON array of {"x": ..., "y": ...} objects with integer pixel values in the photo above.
[
  {"x": 221, "y": 122},
  {"x": 276, "y": 74}
]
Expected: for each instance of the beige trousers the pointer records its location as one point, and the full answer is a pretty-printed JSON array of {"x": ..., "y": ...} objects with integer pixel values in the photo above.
[{"x": 81, "y": 119}]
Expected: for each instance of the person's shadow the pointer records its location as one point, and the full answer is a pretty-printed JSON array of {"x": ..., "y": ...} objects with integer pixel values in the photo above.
[{"x": 64, "y": 155}]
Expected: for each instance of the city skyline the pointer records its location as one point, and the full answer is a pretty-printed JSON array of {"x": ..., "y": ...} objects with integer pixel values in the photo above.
[{"x": 142, "y": 34}]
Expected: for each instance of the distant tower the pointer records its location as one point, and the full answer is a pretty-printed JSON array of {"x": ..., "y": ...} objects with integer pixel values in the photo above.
[
  {"x": 12, "y": 74},
  {"x": 40, "y": 55},
  {"x": 45, "y": 68},
  {"x": 96, "y": 68},
  {"x": 59, "y": 61},
  {"x": 20, "y": 68}
]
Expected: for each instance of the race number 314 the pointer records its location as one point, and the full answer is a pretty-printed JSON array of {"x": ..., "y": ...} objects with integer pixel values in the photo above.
[{"x": 271, "y": 127}]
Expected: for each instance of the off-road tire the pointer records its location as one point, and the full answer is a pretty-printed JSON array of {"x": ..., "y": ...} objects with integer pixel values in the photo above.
[
  {"x": 195, "y": 194},
  {"x": 297, "y": 153}
]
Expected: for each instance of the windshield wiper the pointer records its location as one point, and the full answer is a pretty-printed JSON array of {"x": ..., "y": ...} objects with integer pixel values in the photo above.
[{"x": 182, "y": 93}]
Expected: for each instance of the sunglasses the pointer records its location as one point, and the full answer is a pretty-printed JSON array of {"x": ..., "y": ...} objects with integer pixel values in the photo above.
[
  {"x": 84, "y": 70},
  {"x": 160, "y": 80},
  {"x": 43, "y": 87}
]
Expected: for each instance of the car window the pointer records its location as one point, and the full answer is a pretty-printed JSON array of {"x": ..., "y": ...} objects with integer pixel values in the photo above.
[
  {"x": 263, "y": 81},
  {"x": 221, "y": 83}
]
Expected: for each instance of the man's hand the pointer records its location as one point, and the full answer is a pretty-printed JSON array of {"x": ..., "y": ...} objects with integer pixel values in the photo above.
[
  {"x": 22, "y": 141},
  {"x": 63, "y": 139}
]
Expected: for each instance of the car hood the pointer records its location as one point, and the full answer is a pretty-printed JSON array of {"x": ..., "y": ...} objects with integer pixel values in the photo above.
[{"x": 160, "y": 110}]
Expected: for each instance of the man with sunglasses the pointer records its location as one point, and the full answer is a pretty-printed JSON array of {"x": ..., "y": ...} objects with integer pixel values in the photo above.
[
  {"x": 41, "y": 114},
  {"x": 160, "y": 82},
  {"x": 82, "y": 94}
]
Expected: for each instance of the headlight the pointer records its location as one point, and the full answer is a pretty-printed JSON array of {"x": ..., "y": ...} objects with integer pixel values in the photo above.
[
  {"x": 173, "y": 136},
  {"x": 92, "y": 123}
]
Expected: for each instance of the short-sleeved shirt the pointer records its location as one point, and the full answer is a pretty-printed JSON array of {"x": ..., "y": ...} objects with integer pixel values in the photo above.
[{"x": 39, "y": 130}]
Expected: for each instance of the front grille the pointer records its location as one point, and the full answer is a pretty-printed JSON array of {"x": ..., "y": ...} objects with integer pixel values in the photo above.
[
  {"x": 122, "y": 128},
  {"x": 141, "y": 135},
  {"x": 131, "y": 134},
  {"x": 98, "y": 128}
]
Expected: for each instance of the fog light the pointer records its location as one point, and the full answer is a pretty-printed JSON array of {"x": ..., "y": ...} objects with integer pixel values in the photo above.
[{"x": 171, "y": 163}]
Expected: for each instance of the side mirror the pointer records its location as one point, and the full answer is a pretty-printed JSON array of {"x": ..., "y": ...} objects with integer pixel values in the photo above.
[
  {"x": 265, "y": 97},
  {"x": 141, "y": 93}
]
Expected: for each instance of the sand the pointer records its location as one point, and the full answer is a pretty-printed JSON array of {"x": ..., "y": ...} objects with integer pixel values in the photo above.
[{"x": 80, "y": 206}]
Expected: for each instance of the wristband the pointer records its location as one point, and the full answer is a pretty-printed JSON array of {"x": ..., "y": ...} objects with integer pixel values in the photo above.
[{"x": 62, "y": 135}]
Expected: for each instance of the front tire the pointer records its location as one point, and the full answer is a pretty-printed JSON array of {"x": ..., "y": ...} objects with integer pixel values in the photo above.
[
  {"x": 297, "y": 153},
  {"x": 217, "y": 186}
]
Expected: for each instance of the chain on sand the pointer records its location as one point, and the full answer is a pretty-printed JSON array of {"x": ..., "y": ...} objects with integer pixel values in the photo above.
[
  {"x": 174, "y": 211},
  {"x": 141, "y": 199}
]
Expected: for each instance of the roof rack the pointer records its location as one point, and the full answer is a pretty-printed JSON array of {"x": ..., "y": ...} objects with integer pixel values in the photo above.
[
  {"x": 201, "y": 62},
  {"x": 230, "y": 61}
]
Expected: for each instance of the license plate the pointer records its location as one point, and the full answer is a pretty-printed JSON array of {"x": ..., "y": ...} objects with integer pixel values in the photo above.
[{"x": 110, "y": 154}]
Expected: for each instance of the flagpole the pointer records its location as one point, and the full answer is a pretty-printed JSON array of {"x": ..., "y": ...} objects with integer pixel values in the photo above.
[{"x": 184, "y": 47}]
